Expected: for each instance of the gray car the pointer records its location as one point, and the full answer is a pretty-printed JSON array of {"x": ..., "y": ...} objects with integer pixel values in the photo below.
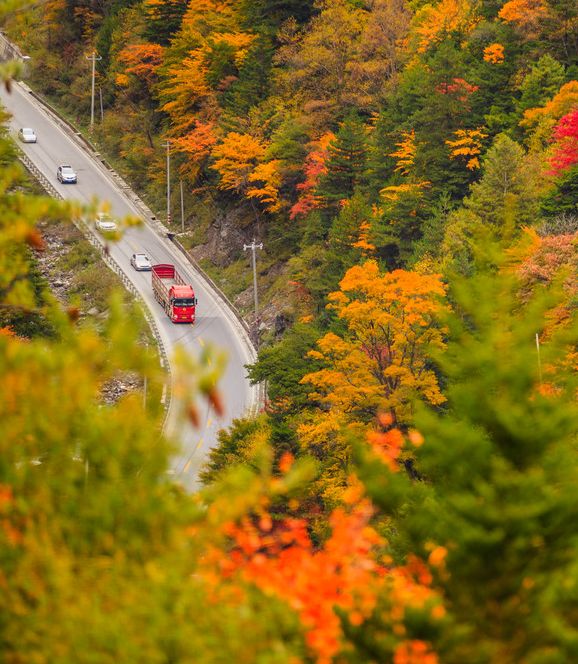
[{"x": 66, "y": 174}]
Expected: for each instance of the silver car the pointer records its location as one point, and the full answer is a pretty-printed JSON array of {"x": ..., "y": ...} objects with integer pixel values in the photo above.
[
  {"x": 66, "y": 174},
  {"x": 27, "y": 135},
  {"x": 141, "y": 262}
]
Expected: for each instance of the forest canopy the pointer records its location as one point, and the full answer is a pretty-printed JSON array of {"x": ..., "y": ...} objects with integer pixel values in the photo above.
[{"x": 408, "y": 492}]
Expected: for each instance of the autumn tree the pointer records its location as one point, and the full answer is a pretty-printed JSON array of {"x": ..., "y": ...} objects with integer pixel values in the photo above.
[
  {"x": 539, "y": 122},
  {"x": 318, "y": 65},
  {"x": 501, "y": 536},
  {"x": 527, "y": 16},
  {"x": 196, "y": 146},
  {"x": 467, "y": 145},
  {"x": 138, "y": 65},
  {"x": 565, "y": 138},
  {"x": 265, "y": 182},
  {"x": 381, "y": 361},
  {"x": 236, "y": 158},
  {"x": 185, "y": 93},
  {"x": 314, "y": 168}
]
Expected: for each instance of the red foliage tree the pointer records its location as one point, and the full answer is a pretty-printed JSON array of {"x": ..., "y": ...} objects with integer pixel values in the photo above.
[
  {"x": 565, "y": 144},
  {"x": 314, "y": 168}
]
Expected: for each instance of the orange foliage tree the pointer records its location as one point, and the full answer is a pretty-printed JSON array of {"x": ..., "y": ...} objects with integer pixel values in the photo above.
[
  {"x": 185, "y": 91},
  {"x": 434, "y": 22},
  {"x": 494, "y": 53},
  {"x": 349, "y": 578},
  {"x": 142, "y": 60},
  {"x": 196, "y": 145},
  {"x": 527, "y": 15}
]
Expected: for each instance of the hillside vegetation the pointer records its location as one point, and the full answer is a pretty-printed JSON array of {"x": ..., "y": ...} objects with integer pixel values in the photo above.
[{"x": 408, "y": 493}]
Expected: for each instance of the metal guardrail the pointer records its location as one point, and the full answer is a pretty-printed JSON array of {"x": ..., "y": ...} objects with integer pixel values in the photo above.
[{"x": 110, "y": 262}]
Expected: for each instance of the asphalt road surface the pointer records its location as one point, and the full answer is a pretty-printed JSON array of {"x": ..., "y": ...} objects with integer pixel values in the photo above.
[{"x": 215, "y": 323}]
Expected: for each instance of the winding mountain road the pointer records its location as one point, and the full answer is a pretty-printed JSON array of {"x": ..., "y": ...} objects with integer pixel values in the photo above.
[{"x": 216, "y": 323}]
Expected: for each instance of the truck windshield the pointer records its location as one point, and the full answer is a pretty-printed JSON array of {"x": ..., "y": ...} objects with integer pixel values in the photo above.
[{"x": 183, "y": 302}]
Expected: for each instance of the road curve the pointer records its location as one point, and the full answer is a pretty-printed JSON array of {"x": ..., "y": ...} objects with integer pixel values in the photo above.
[{"x": 216, "y": 323}]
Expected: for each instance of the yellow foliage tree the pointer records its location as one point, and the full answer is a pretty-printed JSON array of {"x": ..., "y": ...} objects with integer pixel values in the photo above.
[
  {"x": 405, "y": 155},
  {"x": 467, "y": 144},
  {"x": 268, "y": 178},
  {"x": 185, "y": 91},
  {"x": 236, "y": 158},
  {"x": 380, "y": 364}
]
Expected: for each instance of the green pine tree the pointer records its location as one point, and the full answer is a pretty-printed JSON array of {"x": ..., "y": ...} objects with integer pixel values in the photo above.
[
  {"x": 563, "y": 198},
  {"x": 163, "y": 20},
  {"x": 541, "y": 83},
  {"x": 252, "y": 84},
  {"x": 346, "y": 162},
  {"x": 270, "y": 14}
]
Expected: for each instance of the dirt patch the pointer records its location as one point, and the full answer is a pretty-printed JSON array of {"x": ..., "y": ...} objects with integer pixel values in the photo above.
[{"x": 66, "y": 258}]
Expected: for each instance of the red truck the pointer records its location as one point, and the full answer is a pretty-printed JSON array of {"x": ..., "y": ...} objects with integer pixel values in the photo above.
[{"x": 173, "y": 293}]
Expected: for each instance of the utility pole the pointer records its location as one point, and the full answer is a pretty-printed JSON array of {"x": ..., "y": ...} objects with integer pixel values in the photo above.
[
  {"x": 167, "y": 145},
  {"x": 93, "y": 58},
  {"x": 253, "y": 246},
  {"x": 182, "y": 209},
  {"x": 539, "y": 360}
]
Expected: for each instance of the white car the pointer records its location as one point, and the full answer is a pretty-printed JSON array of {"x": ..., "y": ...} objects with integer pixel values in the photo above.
[
  {"x": 104, "y": 222},
  {"x": 66, "y": 174},
  {"x": 27, "y": 135},
  {"x": 141, "y": 262}
]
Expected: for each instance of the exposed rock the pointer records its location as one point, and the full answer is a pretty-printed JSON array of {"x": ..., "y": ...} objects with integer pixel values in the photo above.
[
  {"x": 281, "y": 323},
  {"x": 225, "y": 237}
]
